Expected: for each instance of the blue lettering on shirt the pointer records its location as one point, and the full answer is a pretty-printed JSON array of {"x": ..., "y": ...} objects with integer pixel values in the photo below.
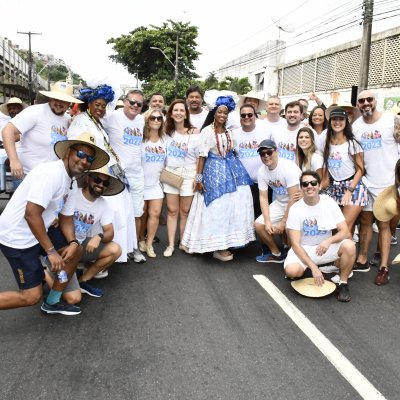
[
  {"x": 334, "y": 164},
  {"x": 131, "y": 140},
  {"x": 371, "y": 144},
  {"x": 288, "y": 155},
  {"x": 310, "y": 228},
  {"x": 248, "y": 153},
  {"x": 154, "y": 158}
]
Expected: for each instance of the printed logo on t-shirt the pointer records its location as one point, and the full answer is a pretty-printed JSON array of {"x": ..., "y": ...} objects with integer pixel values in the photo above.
[
  {"x": 310, "y": 227},
  {"x": 132, "y": 136},
  {"x": 58, "y": 133},
  {"x": 154, "y": 154},
  {"x": 371, "y": 140},
  {"x": 83, "y": 222},
  {"x": 286, "y": 150},
  {"x": 277, "y": 187},
  {"x": 334, "y": 160},
  {"x": 248, "y": 149},
  {"x": 177, "y": 149}
]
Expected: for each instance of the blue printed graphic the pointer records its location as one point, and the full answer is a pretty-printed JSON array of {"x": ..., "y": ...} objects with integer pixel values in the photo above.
[
  {"x": 83, "y": 222},
  {"x": 248, "y": 153},
  {"x": 371, "y": 144},
  {"x": 132, "y": 136},
  {"x": 310, "y": 228},
  {"x": 57, "y": 134},
  {"x": 277, "y": 187},
  {"x": 177, "y": 149},
  {"x": 287, "y": 154}
]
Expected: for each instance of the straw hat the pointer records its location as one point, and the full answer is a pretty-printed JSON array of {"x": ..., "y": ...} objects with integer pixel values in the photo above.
[
  {"x": 13, "y": 100},
  {"x": 115, "y": 187},
  {"x": 385, "y": 205},
  {"x": 396, "y": 260},
  {"x": 308, "y": 288},
  {"x": 262, "y": 105},
  {"x": 352, "y": 112},
  {"x": 61, "y": 91},
  {"x": 102, "y": 158}
]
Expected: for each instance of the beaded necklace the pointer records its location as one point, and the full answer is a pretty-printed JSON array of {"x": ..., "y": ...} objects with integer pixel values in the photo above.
[{"x": 229, "y": 146}]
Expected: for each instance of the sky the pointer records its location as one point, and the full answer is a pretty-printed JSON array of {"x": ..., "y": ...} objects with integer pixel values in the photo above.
[{"x": 77, "y": 31}]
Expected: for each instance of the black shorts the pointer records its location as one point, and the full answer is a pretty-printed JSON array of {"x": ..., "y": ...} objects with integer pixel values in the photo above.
[{"x": 25, "y": 264}]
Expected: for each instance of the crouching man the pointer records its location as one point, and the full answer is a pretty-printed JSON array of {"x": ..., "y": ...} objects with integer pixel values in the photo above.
[{"x": 309, "y": 226}]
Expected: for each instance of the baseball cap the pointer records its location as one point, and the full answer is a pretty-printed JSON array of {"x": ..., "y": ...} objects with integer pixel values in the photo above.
[
  {"x": 338, "y": 112},
  {"x": 267, "y": 144}
]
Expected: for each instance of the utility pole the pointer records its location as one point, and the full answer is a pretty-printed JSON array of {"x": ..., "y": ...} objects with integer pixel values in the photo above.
[
  {"x": 366, "y": 44},
  {"x": 30, "y": 64}
]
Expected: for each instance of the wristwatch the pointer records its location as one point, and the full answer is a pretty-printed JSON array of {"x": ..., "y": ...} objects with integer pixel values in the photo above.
[
  {"x": 101, "y": 236},
  {"x": 350, "y": 189},
  {"x": 73, "y": 241}
]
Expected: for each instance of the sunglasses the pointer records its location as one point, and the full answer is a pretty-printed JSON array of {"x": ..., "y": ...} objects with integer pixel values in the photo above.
[
  {"x": 366, "y": 99},
  {"x": 81, "y": 154},
  {"x": 134, "y": 103},
  {"x": 307, "y": 183},
  {"x": 154, "y": 118},
  {"x": 246, "y": 115},
  {"x": 97, "y": 180},
  {"x": 266, "y": 153}
]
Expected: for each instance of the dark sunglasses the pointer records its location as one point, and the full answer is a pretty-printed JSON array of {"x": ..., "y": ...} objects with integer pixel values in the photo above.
[
  {"x": 134, "y": 103},
  {"x": 368, "y": 99},
  {"x": 81, "y": 154},
  {"x": 266, "y": 153},
  {"x": 305, "y": 184},
  {"x": 154, "y": 118},
  {"x": 248, "y": 115},
  {"x": 97, "y": 180}
]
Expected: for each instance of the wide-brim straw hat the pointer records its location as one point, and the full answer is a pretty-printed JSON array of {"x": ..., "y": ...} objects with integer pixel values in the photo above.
[
  {"x": 307, "y": 287},
  {"x": 348, "y": 107},
  {"x": 115, "y": 187},
  {"x": 101, "y": 157},
  {"x": 385, "y": 205},
  {"x": 13, "y": 100},
  {"x": 61, "y": 91},
  {"x": 262, "y": 105}
]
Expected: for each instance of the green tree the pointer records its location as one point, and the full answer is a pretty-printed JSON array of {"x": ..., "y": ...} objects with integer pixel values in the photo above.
[
  {"x": 211, "y": 82},
  {"x": 238, "y": 85}
]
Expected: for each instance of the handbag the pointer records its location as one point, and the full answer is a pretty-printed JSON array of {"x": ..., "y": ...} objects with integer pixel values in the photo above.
[{"x": 171, "y": 179}]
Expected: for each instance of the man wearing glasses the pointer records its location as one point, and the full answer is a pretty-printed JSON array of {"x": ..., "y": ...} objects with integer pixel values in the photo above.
[
  {"x": 375, "y": 131},
  {"x": 125, "y": 130},
  {"x": 281, "y": 176},
  {"x": 309, "y": 225}
]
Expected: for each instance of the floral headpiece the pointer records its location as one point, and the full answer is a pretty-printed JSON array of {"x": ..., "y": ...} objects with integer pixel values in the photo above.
[
  {"x": 89, "y": 94},
  {"x": 226, "y": 101}
]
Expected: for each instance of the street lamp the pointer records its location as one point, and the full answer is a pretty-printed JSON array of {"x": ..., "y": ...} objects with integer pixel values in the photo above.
[{"x": 175, "y": 66}]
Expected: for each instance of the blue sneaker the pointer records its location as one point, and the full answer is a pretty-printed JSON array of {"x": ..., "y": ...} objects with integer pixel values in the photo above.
[
  {"x": 90, "y": 290},
  {"x": 270, "y": 258},
  {"x": 60, "y": 308}
]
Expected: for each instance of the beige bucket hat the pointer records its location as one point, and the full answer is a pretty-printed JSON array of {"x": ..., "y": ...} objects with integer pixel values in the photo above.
[
  {"x": 352, "y": 112},
  {"x": 115, "y": 187},
  {"x": 13, "y": 100},
  {"x": 86, "y": 138},
  {"x": 385, "y": 205},
  {"x": 61, "y": 91},
  {"x": 262, "y": 105},
  {"x": 307, "y": 287}
]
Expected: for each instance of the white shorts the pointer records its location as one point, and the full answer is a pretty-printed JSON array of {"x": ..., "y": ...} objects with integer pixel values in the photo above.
[
  {"x": 153, "y": 192},
  {"x": 277, "y": 210},
  {"x": 136, "y": 190},
  {"x": 331, "y": 255},
  {"x": 188, "y": 174}
]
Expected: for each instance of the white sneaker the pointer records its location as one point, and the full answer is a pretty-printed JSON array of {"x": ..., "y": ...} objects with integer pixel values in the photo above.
[
  {"x": 101, "y": 274},
  {"x": 375, "y": 227},
  {"x": 137, "y": 256},
  {"x": 329, "y": 269},
  {"x": 168, "y": 251},
  {"x": 336, "y": 278},
  {"x": 142, "y": 245}
]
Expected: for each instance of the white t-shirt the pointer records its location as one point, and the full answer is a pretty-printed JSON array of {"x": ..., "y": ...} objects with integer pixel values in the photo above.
[
  {"x": 87, "y": 213},
  {"x": 340, "y": 162},
  {"x": 153, "y": 158},
  {"x": 182, "y": 149},
  {"x": 82, "y": 123},
  {"x": 47, "y": 185},
  {"x": 380, "y": 151},
  {"x": 284, "y": 176},
  {"x": 4, "y": 120},
  {"x": 126, "y": 136},
  {"x": 304, "y": 218},
  {"x": 40, "y": 129},
  {"x": 286, "y": 142},
  {"x": 247, "y": 145},
  {"x": 320, "y": 140},
  {"x": 197, "y": 120}
]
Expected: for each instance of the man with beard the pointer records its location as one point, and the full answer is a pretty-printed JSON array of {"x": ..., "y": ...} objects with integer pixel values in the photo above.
[
  {"x": 39, "y": 127},
  {"x": 94, "y": 231},
  {"x": 375, "y": 131},
  {"x": 194, "y": 101}
]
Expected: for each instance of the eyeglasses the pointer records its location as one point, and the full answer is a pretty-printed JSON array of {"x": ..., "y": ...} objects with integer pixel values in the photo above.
[
  {"x": 266, "y": 153},
  {"x": 305, "y": 184},
  {"x": 154, "y": 118},
  {"x": 368, "y": 99},
  {"x": 97, "y": 180},
  {"x": 134, "y": 103},
  {"x": 81, "y": 154},
  {"x": 248, "y": 115}
]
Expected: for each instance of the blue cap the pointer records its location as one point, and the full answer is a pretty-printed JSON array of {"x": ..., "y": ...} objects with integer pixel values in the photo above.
[{"x": 267, "y": 144}]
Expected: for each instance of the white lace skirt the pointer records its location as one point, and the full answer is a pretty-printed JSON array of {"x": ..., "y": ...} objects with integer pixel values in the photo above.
[{"x": 227, "y": 222}]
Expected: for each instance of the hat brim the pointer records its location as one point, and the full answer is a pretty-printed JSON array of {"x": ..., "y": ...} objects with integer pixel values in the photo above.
[
  {"x": 115, "y": 187},
  {"x": 385, "y": 205},
  {"x": 60, "y": 96},
  {"x": 4, "y": 109},
  {"x": 346, "y": 107},
  {"x": 307, "y": 287},
  {"x": 101, "y": 157},
  {"x": 262, "y": 105}
]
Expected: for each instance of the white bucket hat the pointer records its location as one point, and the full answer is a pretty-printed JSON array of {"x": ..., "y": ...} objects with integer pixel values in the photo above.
[{"x": 13, "y": 100}]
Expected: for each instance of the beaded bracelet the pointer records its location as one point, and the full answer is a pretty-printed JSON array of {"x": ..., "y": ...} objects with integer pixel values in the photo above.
[
  {"x": 51, "y": 251},
  {"x": 199, "y": 178}
]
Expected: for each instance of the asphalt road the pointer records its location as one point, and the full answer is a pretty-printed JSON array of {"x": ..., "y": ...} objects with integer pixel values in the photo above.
[{"x": 191, "y": 327}]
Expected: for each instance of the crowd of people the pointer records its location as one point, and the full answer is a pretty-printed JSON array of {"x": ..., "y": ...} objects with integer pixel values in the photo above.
[{"x": 92, "y": 174}]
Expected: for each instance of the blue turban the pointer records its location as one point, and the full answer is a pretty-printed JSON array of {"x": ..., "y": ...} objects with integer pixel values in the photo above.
[
  {"x": 101, "y": 92},
  {"x": 226, "y": 101}
]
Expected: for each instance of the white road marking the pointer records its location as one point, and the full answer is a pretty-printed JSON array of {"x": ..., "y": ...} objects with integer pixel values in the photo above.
[{"x": 356, "y": 379}]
